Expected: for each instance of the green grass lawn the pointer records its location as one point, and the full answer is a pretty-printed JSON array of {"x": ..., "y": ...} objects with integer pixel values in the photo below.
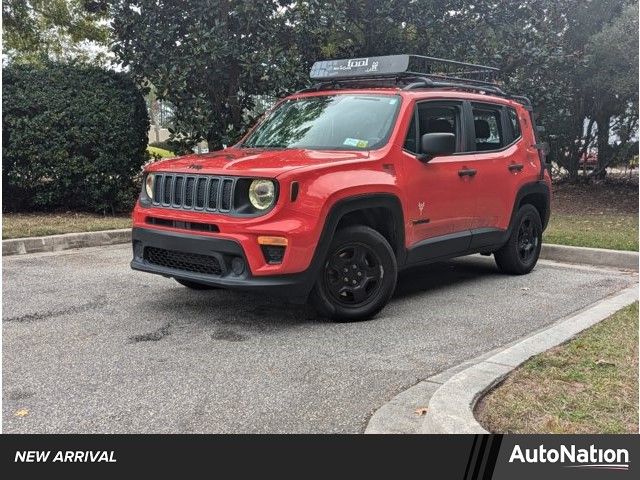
[
  {"x": 161, "y": 152},
  {"x": 589, "y": 385},
  {"x": 614, "y": 231},
  {"x": 17, "y": 225}
]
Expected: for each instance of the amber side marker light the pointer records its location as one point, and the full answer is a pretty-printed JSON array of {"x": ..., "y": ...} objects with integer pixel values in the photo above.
[{"x": 277, "y": 241}]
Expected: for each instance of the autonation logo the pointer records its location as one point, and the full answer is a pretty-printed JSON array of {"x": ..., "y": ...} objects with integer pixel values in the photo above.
[{"x": 592, "y": 457}]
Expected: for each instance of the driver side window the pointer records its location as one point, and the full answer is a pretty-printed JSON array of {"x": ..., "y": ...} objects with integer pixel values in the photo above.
[{"x": 432, "y": 118}]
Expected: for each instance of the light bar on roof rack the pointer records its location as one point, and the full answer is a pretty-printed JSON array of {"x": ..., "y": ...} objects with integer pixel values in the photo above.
[{"x": 401, "y": 66}]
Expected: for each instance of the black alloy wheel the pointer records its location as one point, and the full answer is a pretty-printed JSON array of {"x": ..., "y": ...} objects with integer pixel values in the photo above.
[
  {"x": 353, "y": 274},
  {"x": 528, "y": 239},
  {"x": 358, "y": 276},
  {"x": 520, "y": 254}
]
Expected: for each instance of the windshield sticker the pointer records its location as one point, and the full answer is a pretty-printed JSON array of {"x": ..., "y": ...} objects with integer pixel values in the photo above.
[{"x": 354, "y": 142}]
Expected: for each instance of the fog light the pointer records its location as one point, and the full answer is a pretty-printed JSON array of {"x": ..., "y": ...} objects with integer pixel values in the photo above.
[{"x": 237, "y": 266}]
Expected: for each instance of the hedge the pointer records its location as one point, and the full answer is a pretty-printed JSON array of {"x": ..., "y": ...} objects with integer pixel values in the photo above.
[{"x": 74, "y": 138}]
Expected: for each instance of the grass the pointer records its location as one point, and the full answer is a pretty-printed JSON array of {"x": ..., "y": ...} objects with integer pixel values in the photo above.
[
  {"x": 614, "y": 231},
  {"x": 160, "y": 152},
  {"x": 18, "y": 225},
  {"x": 588, "y": 385},
  {"x": 600, "y": 215}
]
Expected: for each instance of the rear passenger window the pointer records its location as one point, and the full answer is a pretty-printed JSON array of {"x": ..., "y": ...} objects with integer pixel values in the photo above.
[
  {"x": 515, "y": 124},
  {"x": 488, "y": 129}
]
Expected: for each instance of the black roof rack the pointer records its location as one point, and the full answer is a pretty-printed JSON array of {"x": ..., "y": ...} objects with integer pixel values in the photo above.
[{"x": 411, "y": 71}]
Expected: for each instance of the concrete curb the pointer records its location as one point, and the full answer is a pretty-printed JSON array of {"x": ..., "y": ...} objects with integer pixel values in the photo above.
[
  {"x": 450, "y": 409},
  {"x": 55, "y": 243},
  {"x": 591, "y": 256},
  {"x": 559, "y": 253}
]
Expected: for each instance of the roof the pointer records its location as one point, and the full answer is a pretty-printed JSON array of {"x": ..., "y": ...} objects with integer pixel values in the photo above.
[{"x": 434, "y": 93}]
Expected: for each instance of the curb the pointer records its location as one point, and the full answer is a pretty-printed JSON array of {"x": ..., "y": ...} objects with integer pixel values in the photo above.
[
  {"x": 559, "y": 253},
  {"x": 592, "y": 256},
  {"x": 55, "y": 243},
  {"x": 450, "y": 408}
]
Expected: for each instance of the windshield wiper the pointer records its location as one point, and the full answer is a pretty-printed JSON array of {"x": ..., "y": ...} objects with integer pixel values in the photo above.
[{"x": 277, "y": 145}]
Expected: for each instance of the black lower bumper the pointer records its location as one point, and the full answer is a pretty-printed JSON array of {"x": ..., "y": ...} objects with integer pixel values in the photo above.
[{"x": 192, "y": 255}]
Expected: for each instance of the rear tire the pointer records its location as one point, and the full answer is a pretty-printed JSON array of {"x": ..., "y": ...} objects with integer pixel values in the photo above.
[
  {"x": 358, "y": 276},
  {"x": 520, "y": 254},
  {"x": 194, "y": 285}
]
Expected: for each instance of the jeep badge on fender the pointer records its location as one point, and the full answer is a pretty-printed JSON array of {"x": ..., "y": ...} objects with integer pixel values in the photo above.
[{"x": 376, "y": 168}]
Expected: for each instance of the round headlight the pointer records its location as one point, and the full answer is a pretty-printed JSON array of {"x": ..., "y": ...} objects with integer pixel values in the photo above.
[
  {"x": 262, "y": 194},
  {"x": 148, "y": 185}
]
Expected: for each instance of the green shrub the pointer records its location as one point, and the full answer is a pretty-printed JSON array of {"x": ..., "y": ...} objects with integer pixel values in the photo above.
[{"x": 74, "y": 137}]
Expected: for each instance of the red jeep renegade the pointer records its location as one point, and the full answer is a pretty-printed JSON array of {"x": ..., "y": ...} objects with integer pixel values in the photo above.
[{"x": 387, "y": 162}]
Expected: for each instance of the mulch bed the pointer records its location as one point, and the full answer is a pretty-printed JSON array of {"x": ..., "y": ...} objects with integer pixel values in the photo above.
[{"x": 613, "y": 196}]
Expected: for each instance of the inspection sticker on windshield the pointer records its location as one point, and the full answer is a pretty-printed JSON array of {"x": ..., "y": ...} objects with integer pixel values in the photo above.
[{"x": 354, "y": 142}]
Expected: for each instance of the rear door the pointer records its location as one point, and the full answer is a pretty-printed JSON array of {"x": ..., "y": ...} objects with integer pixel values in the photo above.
[{"x": 500, "y": 160}]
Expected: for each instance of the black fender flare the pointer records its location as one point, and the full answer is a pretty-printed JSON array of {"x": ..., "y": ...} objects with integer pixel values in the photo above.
[
  {"x": 351, "y": 204},
  {"x": 539, "y": 188}
]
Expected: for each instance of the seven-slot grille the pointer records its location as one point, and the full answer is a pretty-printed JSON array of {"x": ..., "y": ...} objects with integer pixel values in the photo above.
[{"x": 199, "y": 192}]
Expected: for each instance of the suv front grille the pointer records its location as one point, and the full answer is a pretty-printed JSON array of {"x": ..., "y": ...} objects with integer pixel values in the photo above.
[
  {"x": 190, "y": 262},
  {"x": 199, "y": 192}
]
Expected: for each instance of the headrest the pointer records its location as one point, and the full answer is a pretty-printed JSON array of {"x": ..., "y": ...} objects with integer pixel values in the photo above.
[
  {"x": 482, "y": 129},
  {"x": 436, "y": 125}
]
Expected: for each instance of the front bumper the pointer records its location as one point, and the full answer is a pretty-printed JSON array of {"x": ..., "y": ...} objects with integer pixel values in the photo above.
[{"x": 207, "y": 251}]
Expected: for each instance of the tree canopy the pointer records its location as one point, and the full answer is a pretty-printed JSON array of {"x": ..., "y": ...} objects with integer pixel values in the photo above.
[
  {"x": 210, "y": 59},
  {"x": 576, "y": 59},
  {"x": 37, "y": 31}
]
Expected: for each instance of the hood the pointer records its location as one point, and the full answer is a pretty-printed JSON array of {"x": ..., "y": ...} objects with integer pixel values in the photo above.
[{"x": 254, "y": 162}]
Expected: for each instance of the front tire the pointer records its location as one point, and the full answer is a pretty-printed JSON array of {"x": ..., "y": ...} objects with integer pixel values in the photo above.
[
  {"x": 194, "y": 285},
  {"x": 358, "y": 276},
  {"x": 520, "y": 254}
]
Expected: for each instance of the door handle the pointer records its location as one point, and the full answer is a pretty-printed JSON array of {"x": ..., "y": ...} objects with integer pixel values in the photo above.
[
  {"x": 515, "y": 167},
  {"x": 467, "y": 172}
]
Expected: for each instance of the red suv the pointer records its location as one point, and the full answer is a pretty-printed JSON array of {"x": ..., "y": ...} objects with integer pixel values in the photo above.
[{"x": 382, "y": 165}]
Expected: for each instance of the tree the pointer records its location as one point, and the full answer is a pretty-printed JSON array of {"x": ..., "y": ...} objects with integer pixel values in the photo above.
[
  {"x": 543, "y": 50},
  {"x": 36, "y": 31},
  {"x": 348, "y": 28},
  {"x": 541, "y": 47},
  {"x": 612, "y": 85},
  {"x": 210, "y": 59}
]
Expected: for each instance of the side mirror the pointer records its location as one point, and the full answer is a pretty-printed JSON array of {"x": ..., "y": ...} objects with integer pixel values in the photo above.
[{"x": 434, "y": 144}]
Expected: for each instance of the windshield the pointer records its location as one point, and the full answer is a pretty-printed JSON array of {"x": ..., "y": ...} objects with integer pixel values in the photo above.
[{"x": 350, "y": 122}]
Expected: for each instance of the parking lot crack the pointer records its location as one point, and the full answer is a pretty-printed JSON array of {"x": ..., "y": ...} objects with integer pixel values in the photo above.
[
  {"x": 154, "y": 336},
  {"x": 72, "y": 310}
]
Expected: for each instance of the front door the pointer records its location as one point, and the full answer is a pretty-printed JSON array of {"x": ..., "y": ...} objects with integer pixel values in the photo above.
[{"x": 439, "y": 193}]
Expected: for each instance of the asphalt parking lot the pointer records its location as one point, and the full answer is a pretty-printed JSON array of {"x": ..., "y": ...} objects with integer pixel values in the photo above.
[{"x": 91, "y": 346}]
